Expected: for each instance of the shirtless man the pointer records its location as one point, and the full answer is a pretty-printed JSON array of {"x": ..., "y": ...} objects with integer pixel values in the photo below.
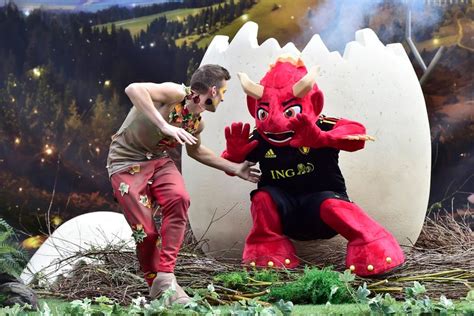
[{"x": 143, "y": 176}]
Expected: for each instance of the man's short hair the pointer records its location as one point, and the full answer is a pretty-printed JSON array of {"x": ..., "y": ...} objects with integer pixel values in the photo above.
[{"x": 207, "y": 76}]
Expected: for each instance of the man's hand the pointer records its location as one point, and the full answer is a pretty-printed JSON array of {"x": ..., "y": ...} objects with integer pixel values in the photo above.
[
  {"x": 245, "y": 171},
  {"x": 306, "y": 133},
  {"x": 237, "y": 142},
  {"x": 179, "y": 134}
]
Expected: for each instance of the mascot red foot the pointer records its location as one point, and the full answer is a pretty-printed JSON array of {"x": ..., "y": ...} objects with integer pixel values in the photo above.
[{"x": 302, "y": 194}]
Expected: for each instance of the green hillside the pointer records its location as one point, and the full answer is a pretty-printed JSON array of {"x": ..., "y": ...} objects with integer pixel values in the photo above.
[
  {"x": 138, "y": 24},
  {"x": 283, "y": 23},
  {"x": 281, "y": 19},
  {"x": 141, "y": 23}
]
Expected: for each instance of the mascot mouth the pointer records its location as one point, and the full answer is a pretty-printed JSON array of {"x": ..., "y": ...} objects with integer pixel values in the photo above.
[{"x": 280, "y": 137}]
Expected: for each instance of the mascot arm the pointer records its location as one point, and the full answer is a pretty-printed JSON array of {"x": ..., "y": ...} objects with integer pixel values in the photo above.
[{"x": 345, "y": 135}]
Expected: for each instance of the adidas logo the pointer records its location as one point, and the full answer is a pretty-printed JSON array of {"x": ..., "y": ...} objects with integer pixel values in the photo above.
[{"x": 270, "y": 154}]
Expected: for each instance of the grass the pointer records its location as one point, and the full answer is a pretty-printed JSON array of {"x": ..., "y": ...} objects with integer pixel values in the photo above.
[
  {"x": 343, "y": 309},
  {"x": 58, "y": 306}
]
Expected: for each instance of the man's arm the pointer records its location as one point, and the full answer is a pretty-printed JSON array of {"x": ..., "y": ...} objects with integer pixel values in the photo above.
[
  {"x": 143, "y": 94},
  {"x": 206, "y": 156}
]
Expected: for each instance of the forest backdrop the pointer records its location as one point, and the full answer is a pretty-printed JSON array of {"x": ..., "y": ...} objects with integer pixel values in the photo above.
[{"x": 63, "y": 73}]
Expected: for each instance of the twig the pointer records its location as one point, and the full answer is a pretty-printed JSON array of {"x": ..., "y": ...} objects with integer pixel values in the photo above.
[
  {"x": 252, "y": 295},
  {"x": 48, "y": 213}
]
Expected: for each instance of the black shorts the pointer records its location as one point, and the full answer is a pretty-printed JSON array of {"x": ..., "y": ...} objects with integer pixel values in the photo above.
[{"x": 300, "y": 212}]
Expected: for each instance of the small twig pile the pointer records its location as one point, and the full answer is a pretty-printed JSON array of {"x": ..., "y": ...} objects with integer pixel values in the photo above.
[
  {"x": 441, "y": 260},
  {"x": 113, "y": 272},
  {"x": 446, "y": 233}
]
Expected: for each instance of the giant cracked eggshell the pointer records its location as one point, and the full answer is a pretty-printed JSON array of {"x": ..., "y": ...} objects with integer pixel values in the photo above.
[{"x": 372, "y": 83}]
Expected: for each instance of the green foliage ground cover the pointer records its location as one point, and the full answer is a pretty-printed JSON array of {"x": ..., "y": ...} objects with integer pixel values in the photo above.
[{"x": 331, "y": 292}]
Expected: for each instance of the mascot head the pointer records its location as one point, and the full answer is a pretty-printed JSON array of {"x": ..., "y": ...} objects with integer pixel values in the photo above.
[{"x": 286, "y": 90}]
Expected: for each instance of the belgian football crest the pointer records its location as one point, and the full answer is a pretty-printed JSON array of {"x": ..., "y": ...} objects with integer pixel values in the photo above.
[{"x": 304, "y": 150}]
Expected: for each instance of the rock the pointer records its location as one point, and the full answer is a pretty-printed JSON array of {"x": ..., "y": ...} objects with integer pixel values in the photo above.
[{"x": 17, "y": 293}]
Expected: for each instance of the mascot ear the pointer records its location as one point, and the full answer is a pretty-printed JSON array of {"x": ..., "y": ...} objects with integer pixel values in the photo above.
[
  {"x": 317, "y": 99},
  {"x": 251, "y": 105}
]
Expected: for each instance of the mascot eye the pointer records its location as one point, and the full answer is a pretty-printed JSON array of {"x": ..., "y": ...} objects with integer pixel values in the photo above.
[
  {"x": 292, "y": 111},
  {"x": 262, "y": 114}
]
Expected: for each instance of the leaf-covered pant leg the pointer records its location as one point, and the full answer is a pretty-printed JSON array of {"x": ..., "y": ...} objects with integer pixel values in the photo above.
[{"x": 137, "y": 190}]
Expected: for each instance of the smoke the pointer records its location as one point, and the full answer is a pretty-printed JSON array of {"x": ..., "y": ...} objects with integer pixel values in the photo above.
[{"x": 336, "y": 21}]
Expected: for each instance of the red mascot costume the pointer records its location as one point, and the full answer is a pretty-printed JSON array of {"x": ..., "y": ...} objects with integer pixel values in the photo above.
[{"x": 302, "y": 194}]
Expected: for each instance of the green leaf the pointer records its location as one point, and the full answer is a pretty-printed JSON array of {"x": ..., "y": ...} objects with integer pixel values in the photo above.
[
  {"x": 445, "y": 303},
  {"x": 103, "y": 299},
  {"x": 211, "y": 288},
  {"x": 388, "y": 310},
  {"x": 334, "y": 289},
  {"x": 425, "y": 305},
  {"x": 347, "y": 277},
  {"x": 470, "y": 296},
  {"x": 284, "y": 307},
  {"x": 46, "y": 311},
  {"x": 416, "y": 290},
  {"x": 389, "y": 300},
  {"x": 362, "y": 293}
]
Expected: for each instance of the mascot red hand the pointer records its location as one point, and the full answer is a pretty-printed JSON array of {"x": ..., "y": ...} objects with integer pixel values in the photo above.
[
  {"x": 307, "y": 133},
  {"x": 237, "y": 140}
]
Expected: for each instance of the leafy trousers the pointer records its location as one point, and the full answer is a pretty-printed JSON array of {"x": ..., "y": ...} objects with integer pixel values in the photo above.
[{"x": 144, "y": 191}]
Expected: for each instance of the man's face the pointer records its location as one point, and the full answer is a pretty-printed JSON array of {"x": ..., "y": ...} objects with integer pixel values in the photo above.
[{"x": 215, "y": 96}]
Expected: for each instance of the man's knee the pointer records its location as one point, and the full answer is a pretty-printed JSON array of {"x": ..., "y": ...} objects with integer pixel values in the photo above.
[
  {"x": 181, "y": 197},
  {"x": 178, "y": 201}
]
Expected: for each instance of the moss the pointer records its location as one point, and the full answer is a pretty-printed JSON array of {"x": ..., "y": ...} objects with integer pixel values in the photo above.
[
  {"x": 265, "y": 275},
  {"x": 235, "y": 280},
  {"x": 314, "y": 287}
]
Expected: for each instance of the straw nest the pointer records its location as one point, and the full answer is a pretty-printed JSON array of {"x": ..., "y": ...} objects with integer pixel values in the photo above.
[{"x": 441, "y": 260}]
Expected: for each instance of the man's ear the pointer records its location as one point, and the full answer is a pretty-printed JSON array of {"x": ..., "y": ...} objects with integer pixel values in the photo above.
[{"x": 213, "y": 91}]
